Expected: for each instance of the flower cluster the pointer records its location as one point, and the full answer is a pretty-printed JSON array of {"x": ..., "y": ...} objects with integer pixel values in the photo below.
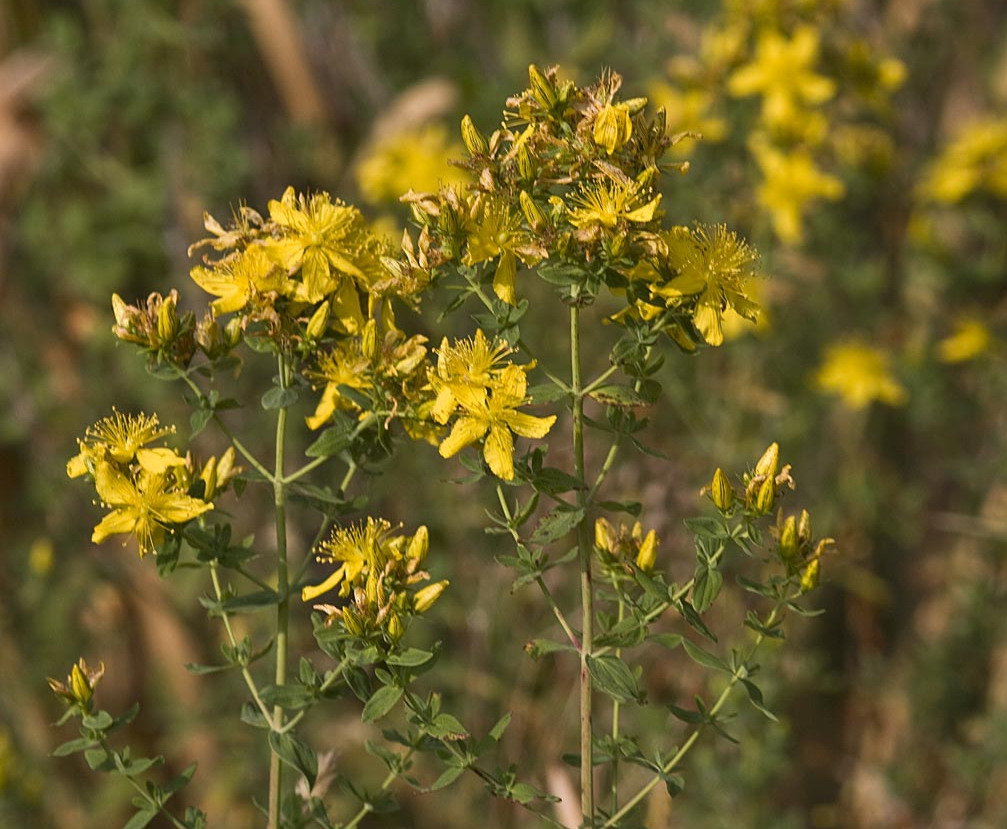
[
  {"x": 78, "y": 690},
  {"x": 379, "y": 572},
  {"x": 149, "y": 490},
  {"x": 568, "y": 185},
  {"x": 617, "y": 546},
  {"x": 975, "y": 162},
  {"x": 482, "y": 392},
  {"x": 760, "y": 492}
]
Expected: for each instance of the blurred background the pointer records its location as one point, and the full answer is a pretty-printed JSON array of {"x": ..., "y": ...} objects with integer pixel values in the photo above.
[{"x": 861, "y": 146}]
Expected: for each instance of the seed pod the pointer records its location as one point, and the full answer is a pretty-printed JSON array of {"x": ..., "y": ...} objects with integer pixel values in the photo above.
[
  {"x": 474, "y": 140},
  {"x": 721, "y": 491},
  {"x": 647, "y": 557}
]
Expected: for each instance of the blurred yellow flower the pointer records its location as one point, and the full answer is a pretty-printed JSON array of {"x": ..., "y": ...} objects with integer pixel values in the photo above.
[
  {"x": 790, "y": 181},
  {"x": 859, "y": 374},
  {"x": 782, "y": 71},
  {"x": 687, "y": 111},
  {"x": 416, "y": 158},
  {"x": 975, "y": 160},
  {"x": 240, "y": 278},
  {"x": 970, "y": 338}
]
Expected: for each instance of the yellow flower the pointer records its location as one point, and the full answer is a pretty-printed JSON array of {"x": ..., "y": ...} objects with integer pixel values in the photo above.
[
  {"x": 122, "y": 438},
  {"x": 332, "y": 247},
  {"x": 713, "y": 266},
  {"x": 494, "y": 416},
  {"x": 494, "y": 229},
  {"x": 971, "y": 338},
  {"x": 415, "y": 158},
  {"x": 80, "y": 684},
  {"x": 859, "y": 374},
  {"x": 790, "y": 182},
  {"x": 345, "y": 365},
  {"x": 612, "y": 127},
  {"x": 144, "y": 506},
  {"x": 465, "y": 364},
  {"x": 783, "y": 73},
  {"x": 976, "y": 159},
  {"x": 610, "y": 203},
  {"x": 687, "y": 111},
  {"x": 239, "y": 279},
  {"x": 360, "y": 550}
]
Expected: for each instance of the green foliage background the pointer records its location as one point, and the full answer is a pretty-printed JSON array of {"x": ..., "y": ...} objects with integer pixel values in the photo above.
[{"x": 122, "y": 120}]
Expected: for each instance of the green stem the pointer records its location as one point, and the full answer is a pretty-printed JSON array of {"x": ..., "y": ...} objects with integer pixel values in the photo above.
[
  {"x": 586, "y": 588},
  {"x": 142, "y": 790},
  {"x": 679, "y": 755},
  {"x": 245, "y": 673},
  {"x": 615, "y": 713},
  {"x": 601, "y": 378},
  {"x": 331, "y": 678},
  {"x": 283, "y": 591},
  {"x": 366, "y": 808}
]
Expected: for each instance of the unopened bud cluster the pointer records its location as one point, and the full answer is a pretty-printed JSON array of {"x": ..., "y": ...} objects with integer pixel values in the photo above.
[
  {"x": 78, "y": 690},
  {"x": 615, "y": 547}
]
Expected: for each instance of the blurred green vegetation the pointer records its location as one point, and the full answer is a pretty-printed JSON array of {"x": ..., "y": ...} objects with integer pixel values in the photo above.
[{"x": 122, "y": 120}]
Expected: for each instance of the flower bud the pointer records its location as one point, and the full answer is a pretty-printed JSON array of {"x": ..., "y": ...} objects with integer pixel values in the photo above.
[
  {"x": 232, "y": 332},
  {"x": 788, "y": 540},
  {"x": 811, "y": 576},
  {"x": 418, "y": 544},
  {"x": 475, "y": 141},
  {"x": 532, "y": 212},
  {"x": 81, "y": 686},
  {"x": 426, "y": 596},
  {"x": 208, "y": 475},
  {"x": 647, "y": 557},
  {"x": 167, "y": 319},
  {"x": 721, "y": 491},
  {"x": 209, "y": 337},
  {"x": 612, "y": 127},
  {"x": 319, "y": 321},
  {"x": 369, "y": 339},
  {"x": 541, "y": 87},
  {"x": 604, "y": 536},
  {"x": 395, "y": 627},
  {"x": 351, "y": 621},
  {"x": 635, "y": 105},
  {"x": 769, "y": 463},
  {"x": 804, "y": 529},
  {"x": 765, "y": 497},
  {"x": 525, "y": 163}
]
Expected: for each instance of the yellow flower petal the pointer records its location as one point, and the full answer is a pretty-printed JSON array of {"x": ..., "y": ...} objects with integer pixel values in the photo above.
[
  {"x": 466, "y": 430},
  {"x": 499, "y": 452},
  {"x": 158, "y": 461}
]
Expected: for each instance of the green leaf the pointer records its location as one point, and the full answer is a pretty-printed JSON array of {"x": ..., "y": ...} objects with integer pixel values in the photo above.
[
  {"x": 292, "y": 697},
  {"x": 181, "y": 780},
  {"x": 411, "y": 658},
  {"x": 667, "y": 640},
  {"x": 293, "y": 751},
  {"x": 707, "y": 527},
  {"x": 381, "y": 702},
  {"x": 73, "y": 746},
  {"x": 446, "y": 778},
  {"x": 614, "y": 395},
  {"x": 755, "y": 697},
  {"x": 555, "y": 481},
  {"x": 632, "y": 507},
  {"x": 497, "y": 731},
  {"x": 706, "y": 587},
  {"x": 704, "y": 657},
  {"x": 98, "y": 759},
  {"x": 141, "y": 819},
  {"x": 332, "y": 441},
  {"x": 446, "y": 727},
  {"x": 686, "y": 715},
  {"x": 98, "y": 721},
  {"x": 199, "y": 670},
  {"x": 546, "y": 393},
  {"x": 278, "y": 398},
  {"x": 251, "y": 602},
  {"x": 624, "y": 634},
  {"x": 556, "y": 523},
  {"x": 198, "y": 420},
  {"x": 539, "y": 647},
  {"x": 612, "y": 676}
]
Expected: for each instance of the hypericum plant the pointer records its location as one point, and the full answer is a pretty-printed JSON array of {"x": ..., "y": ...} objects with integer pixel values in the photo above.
[{"x": 564, "y": 190}]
